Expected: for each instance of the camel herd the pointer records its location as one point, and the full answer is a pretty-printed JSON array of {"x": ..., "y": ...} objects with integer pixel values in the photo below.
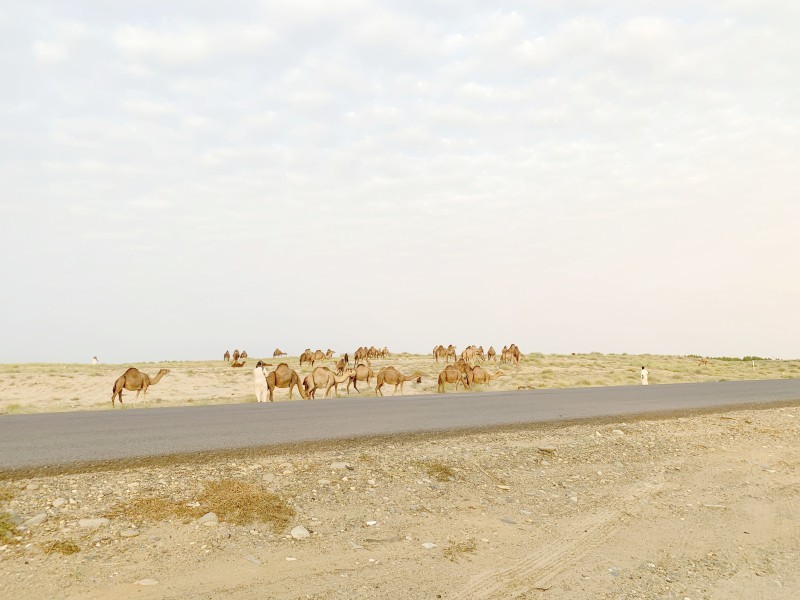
[{"x": 462, "y": 372}]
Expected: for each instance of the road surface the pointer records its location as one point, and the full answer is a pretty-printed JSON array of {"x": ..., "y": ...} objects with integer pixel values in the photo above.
[{"x": 55, "y": 440}]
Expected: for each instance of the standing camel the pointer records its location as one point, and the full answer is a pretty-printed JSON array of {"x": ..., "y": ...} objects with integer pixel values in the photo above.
[
  {"x": 323, "y": 377},
  {"x": 278, "y": 352},
  {"x": 236, "y": 355},
  {"x": 227, "y": 356},
  {"x": 451, "y": 375},
  {"x": 394, "y": 377},
  {"x": 491, "y": 354},
  {"x": 361, "y": 373},
  {"x": 134, "y": 380},
  {"x": 282, "y": 377}
]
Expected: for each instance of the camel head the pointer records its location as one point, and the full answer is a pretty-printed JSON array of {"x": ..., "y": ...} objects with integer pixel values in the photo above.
[
  {"x": 164, "y": 371},
  {"x": 499, "y": 374}
]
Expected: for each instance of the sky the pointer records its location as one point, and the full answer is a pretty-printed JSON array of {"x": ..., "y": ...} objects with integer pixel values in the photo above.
[{"x": 181, "y": 178}]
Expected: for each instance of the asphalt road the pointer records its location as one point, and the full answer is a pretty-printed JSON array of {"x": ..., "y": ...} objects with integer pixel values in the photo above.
[{"x": 57, "y": 439}]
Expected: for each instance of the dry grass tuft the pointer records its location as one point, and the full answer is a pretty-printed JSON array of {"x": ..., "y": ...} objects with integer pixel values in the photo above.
[
  {"x": 155, "y": 509},
  {"x": 6, "y": 529},
  {"x": 437, "y": 470},
  {"x": 62, "y": 547},
  {"x": 242, "y": 503},
  {"x": 457, "y": 549},
  {"x": 6, "y": 493}
]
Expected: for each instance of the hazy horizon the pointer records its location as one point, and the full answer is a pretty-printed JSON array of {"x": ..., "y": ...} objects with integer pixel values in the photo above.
[{"x": 183, "y": 178}]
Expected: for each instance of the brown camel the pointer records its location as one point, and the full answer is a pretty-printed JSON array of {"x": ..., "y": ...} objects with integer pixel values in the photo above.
[
  {"x": 340, "y": 365},
  {"x": 284, "y": 377},
  {"x": 361, "y": 354},
  {"x": 394, "y": 377},
  {"x": 243, "y": 354},
  {"x": 438, "y": 352},
  {"x": 236, "y": 364},
  {"x": 278, "y": 352},
  {"x": 134, "y": 380},
  {"x": 481, "y": 375},
  {"x": 227, "y": 356},
  {"x": 323, "y": 377},
  {"x": 329, "y": 353},
  {"x": 702, "y": 361},
  {"x": 450, "y": 352},
  {"x": 491, "y": 354},
  {"x": 317, "y": 356},
  {"x": 451, "y": 375},
  {"x": 306, "y": 357},
  {"x": 361, "y": 373},
  {"x": 235, "y": 355},
  {"x": 470, "y": 353}
]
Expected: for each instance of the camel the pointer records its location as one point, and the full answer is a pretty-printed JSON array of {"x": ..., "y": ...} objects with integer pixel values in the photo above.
[
  {"x": 481, "y": 375},
  {"x": 236, "y": 355},
  {"x": 227, "y": 356},
  {"x": 450, "y": 352},
  {"x": 384, "y": 353},
  {"x": 317, "y": 356},
  {"x": 278, "y": 352},
  {"x": 451, "y": 375},
  {"x": 394, "y": 377},
  {"x": 243, "y": 354},
  {"x": 480, "y": 354},
  {"x": 236, "y": 364},
  {"x": 282, "y": 377},
  {"x": 134, "y": 380},
  {"x": 470, "y": 353},
  {"x": 361, "y": 354},
  {"x": 323, "y": 377},
  {"x": 306, "y": 357},
  {"x": 702, "y": 361},
  {"x": 491, "y": 354},
  {"x": 329, "y": 353},
  {"x": 361, "y": 373},
  {"x": 340, "y": 364},
  {"x": 510, "y": 354},
  {"x": 462, "y": 366},
  {"x": 438, "y": 352}
]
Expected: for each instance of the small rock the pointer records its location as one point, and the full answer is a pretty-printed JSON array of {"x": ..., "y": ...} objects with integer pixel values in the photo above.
[
  {"x": 324, "y": 482},
  {"x": 129, "y": 533},
  {"x": 503, "y": 487},
  {"x": 547, "y": 449},
  {"x": 147, "y": 582},
  {"x": 59, "y": 502},
  {"x": 252, "y": 559},
  {"x": 429, "y": 545},
  {"x": 372, "y": 523},
  {"x": 209, "y": 517},
  {"x": 618, "y": 432},
  {"x": 509, "y": 521},
  {"x": 35, "y": 520},
  {"x": 93, "y": 523},
  {"x": 341, "y": 465},
  {"x": 268, "y": 477},
  {"x": 32, "y": 487},
  {"x": 300, "y": 533},
  {"x": 291, "y": 558}
]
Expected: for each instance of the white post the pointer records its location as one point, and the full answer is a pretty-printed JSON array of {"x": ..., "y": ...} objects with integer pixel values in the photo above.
[{"x": 754, "y": 365}]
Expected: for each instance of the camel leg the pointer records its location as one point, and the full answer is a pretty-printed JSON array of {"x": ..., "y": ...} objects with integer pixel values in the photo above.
[
  {"x": 395, "y": 389},
  {"x": 378, "y": 391}
]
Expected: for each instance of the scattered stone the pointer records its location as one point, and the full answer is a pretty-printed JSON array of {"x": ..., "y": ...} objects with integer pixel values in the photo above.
[
  {"x": 32, "y": 487},
  {"x": 547, "y": 449},
  {"x": 324, "y": 482},
  {"x": 509, "y": 521},
  {"x": 372, "y": 523},
  {"x": 503, "y": 487},
  {"x": 341, "y": 465},
  {"x": 300, "y": 533},
  {"x": 268, "y": 477},
  {"x": 429, "y": 545},
  {"x": 209, "y": 517},
  {"x": 59, "y": 502},
  {"x": 252, "y": 559},
  {"x": 93, "y": 523},
  {"x": 35, "y": 520},
  {"x": 291, "y": 558},
  {"x": 355, "y": 546},
  {"x": 129, "y": 533},
  {"x": 147, "y": 582},
  {"x": 618, "y": 432}
]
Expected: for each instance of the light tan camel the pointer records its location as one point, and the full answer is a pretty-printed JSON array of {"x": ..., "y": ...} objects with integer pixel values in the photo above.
[
  {"x": 278, "y": 352},
  {"x": 236, "y": 364},
  {"x": 329, "y": 353},
  {"x": 469, "y": 353},
  {"x": 227, "y": 356},
  {"x": 392, "y": 376},
  {"x": 361, "y": 373},
  {"x": 451, "y": 375},
  {"x": 134, "y": 380},
  {"x": 481, "y": 375},
  {"x": 480, "y": 354},
  {"x": 450, "y": 352},
  {"x": 438, "y": 352},
  {"x": 317, "y": 356},
  {"x": 361, "y": 354},
  {"x": 284, "y": 377},
  {"x": 491, "y": 354},
  {"x": 384, "y": 353},
  {"x": 340, "y": 365},
  {"x": 465, "y": 368},
  {"x": 324, "y": 378}
]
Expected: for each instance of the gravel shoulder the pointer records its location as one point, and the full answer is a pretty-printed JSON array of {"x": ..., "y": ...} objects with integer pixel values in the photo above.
[{"x": 692, "y": 507}]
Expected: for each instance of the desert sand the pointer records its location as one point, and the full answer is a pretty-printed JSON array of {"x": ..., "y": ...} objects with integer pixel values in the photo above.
[{"x": 685, "y": 506}]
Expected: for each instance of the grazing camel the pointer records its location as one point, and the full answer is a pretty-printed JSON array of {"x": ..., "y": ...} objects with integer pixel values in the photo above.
[
  {"x": 235, "y": 355},
  {"x": 451, "y": 375},
  {"x": 282, "y": 377},
  {"x": 134, "y": 380},
  {"x": 481, "y": 375},
  {"x": 235, "y": 364},
  {"x": 323, "y": 377},
  {"x": 361, "y": 373},
  {"x": 491, "y": 354},
  {"x": 394, "y": 377},
  {"x": 278, "y": 352},
  {"x": 227, "y": 356}
]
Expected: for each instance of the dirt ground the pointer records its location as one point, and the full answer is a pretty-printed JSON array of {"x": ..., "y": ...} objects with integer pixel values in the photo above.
[{"x": 692, "y": 507}]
